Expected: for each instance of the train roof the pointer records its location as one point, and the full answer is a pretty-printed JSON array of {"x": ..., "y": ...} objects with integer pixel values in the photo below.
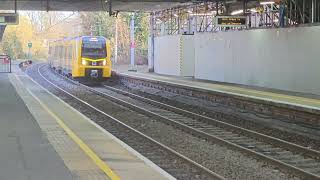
[{"x": 73, "y": 38}]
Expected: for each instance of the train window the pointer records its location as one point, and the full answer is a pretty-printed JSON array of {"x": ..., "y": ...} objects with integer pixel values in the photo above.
[
  {"x": 94, "y": 48},
  {"x": 55, "y": 51},
  {"x": 60, "y": 52},
  {"x": 70, "y": 52},
  {"x": 65, "y": 53}
]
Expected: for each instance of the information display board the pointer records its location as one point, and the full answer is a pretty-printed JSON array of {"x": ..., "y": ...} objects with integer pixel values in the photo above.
[
  {"x": 231, "y": 21},
  {"x": 9, "y": 19}
]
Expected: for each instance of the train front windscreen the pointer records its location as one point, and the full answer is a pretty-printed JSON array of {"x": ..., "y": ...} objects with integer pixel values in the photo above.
[{"x": 93, "y": 48}]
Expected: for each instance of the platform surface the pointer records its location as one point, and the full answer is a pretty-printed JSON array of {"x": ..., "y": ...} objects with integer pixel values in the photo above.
[
  {"x": 25, "y": 152},
  {"x": 43, "y": 138},
  {"x": 294, "y": 99}
]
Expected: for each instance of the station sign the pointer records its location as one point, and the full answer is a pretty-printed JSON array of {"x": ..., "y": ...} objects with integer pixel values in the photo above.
[
  {"x": 231, "y": 21},
  {"x": 9, "y": 19}
]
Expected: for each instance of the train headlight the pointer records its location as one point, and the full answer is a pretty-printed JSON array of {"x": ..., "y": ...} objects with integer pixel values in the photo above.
[
  {"x": 84, "y": 62},
  {"x": 104, "y": 62}
]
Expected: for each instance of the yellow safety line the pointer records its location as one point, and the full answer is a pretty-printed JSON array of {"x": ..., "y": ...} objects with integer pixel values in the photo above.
[{"x": 100, "y": 163}]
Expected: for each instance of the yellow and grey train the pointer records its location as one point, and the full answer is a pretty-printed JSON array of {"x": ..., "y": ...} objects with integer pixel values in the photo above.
[{"x": 81, "y": 58}]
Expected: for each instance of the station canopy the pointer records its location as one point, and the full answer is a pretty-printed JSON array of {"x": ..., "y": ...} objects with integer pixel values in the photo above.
[
  {"x": 100, "y": 5},
  {"x": 90, "y": 5}
]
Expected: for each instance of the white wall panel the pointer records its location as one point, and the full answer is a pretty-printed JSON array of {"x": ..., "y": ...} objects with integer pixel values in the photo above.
[
  {"x": 187, "y": 55},
  {"x": 167, "y": 55},
  {"x": 287, "y": 59}
]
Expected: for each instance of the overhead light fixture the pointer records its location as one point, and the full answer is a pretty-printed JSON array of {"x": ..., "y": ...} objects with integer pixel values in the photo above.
[
  {"x": 253, "y": 10},
  {"x": 201, "y": 14},
  {"x": 267, "y": 2},
  {"x": 175, "y": 15},
  {"x": 158, "y": 21},
  {"x": 237, "y": 12}
]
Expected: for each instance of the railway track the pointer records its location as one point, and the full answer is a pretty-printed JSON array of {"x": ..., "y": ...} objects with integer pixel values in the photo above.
[
  {"x": 295, "y": 159},
  {"x": 292, "y": 158},
  {"x": 171, "y": 161}
]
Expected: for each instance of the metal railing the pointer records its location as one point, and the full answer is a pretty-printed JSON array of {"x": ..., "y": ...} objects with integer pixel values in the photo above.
[
  {"x": 5, "y": 64},
  {"x": 201, "y": 17}
]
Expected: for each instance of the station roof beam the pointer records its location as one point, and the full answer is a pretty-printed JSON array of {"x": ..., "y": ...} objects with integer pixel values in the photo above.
[{"x": 90, "y": 5}]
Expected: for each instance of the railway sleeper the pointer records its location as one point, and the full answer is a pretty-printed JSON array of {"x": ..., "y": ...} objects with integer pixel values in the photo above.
[
  {"x": 313, "y": 170},
  {"x": 215, "y": 131},
  {"x": 288, "y": 159},
  {"x": 265, "y": 146},
  {"x": 226, "y": 135},
  {"x": 157, "y": 110},
  {"x": 195, "y": 125},
  {"x": 206, "y": 125},
  {"x": 274, "y": 149},
  {"x": 305, "y": 161},
  {"x": 308, "y": 165},
  {"x": 233, "y": 139},
  {"x": 200, "y": 125},
  {"x": 285, "y": 153},
  {"x": 244, "y": 142},
  {"x": 174, "y": 117},
  {"x": 210, "y": 130}
]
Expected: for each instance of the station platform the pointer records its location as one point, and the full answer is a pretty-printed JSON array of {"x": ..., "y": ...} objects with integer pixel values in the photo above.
[
  {"x": 44, "y": 138},
  {"x": 305, "y": 101}
]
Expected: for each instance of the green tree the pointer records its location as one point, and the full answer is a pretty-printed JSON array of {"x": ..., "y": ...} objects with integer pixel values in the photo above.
[{"x": 11, "y": 45}]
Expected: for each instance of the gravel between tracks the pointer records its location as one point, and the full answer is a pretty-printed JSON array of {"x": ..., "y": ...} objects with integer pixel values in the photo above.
[
  {"x": 245, "y": 120},
  {"x": 228, "y": 163}
]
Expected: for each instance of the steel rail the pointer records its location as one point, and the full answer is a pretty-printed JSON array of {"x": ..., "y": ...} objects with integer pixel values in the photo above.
[
  {"x": 160, "y": 145},
  {"x": 213, "y": 138},
  {"x": 276, "y": 141},
  {"x": 289, "y": 168}
]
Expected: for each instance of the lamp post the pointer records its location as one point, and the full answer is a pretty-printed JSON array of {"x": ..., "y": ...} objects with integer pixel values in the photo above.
[
  {"x": 116, "y": 42},
  {"x": 132, "y": 44}
]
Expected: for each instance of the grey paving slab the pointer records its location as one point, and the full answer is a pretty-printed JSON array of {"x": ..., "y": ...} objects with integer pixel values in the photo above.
[{"x": 25, "y": 152}]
